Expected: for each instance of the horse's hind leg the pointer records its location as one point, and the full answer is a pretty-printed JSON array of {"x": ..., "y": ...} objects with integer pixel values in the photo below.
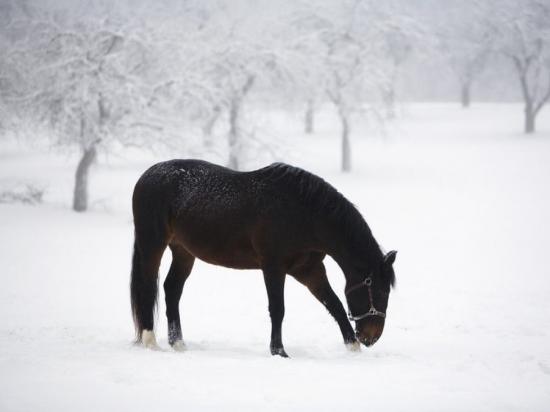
[
  {"x": 314, "y": 277},
  {"x": 182, "y": 263}
]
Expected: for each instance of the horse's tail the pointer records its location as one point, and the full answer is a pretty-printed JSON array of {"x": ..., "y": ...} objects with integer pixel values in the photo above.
[{"x": 143, "y": 293}]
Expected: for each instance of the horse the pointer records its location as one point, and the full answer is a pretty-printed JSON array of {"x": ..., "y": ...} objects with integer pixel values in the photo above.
[{"x": 279, "y": 219}]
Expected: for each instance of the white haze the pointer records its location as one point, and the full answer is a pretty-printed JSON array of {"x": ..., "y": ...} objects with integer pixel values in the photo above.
[{"x": 431, "y": 116}]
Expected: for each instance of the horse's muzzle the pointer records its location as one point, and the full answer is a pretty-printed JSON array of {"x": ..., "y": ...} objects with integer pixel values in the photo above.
[
  {"x": 369, "y": 332},
  {"x": 368, "y": 341}
]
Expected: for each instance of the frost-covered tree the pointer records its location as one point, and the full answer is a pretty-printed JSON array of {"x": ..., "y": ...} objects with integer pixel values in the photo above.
[
  {"x": 466, "y": 39},
  {"x": 352, "y": 46},
  {"x": 399, "y": 34},
  {"x": 523, "y": 28},
  {"x": 180, "y": 95},
  {"x": 82, "y": 79},
  {"x": 305, "y": 28},
  {"x": 234, "y": 68},
  {"x": 13, "y": 23},
  {"x": 238, "y": 54},
  {"x": 5, "y": 85},
  {"x": 344, "y": 61}
]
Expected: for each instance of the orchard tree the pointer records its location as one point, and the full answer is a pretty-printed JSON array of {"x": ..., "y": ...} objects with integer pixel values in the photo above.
[
  {"x": 5, "y": 86},
  {"x": 523, "y": 28},
  {"x": 82, "y": 79},
  {"x": 238, "y": 54},
  {"x": 466, "y": 40},
  {"x": 351, "y": 43},
  {"x": 395, "y": 27},
  {"x": 13, "y": 25},
  {"x": 306, "y": 27},
  {"x": 183, "y": 94}
]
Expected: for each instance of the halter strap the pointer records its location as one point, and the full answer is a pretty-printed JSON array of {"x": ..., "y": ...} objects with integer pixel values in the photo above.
[{"x": 372, "y": 311}]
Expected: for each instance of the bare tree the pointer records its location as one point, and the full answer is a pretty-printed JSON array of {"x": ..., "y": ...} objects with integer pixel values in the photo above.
[
  {"x": 523, "y": 28},
  {"x": 352, "y": 45},
  {"x": 400, "y": 34},
  {"x": 13, "y": 21},
  {"x": 466, "y": 39},
  {"x": 242, "y": 55},
  {"x": 309, "y": 71},
  {"x": 80, "y": 79},
  {"x": 309, "y": 117}
]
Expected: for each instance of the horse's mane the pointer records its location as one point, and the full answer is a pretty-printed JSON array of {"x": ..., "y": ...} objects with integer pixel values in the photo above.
[{"x": 323, "y": 199}]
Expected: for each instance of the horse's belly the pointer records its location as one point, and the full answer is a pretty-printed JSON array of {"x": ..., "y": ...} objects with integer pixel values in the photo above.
[
  {"x": 232, "y": 260},
  {"x": 230, "y": 251},
  {"x": 235, "y": 258}
]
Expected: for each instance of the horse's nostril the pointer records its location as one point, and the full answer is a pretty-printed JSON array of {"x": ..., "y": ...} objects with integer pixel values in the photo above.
[
  {"x": 366, "y": 341},
  {"x": 369, "y": 341}
]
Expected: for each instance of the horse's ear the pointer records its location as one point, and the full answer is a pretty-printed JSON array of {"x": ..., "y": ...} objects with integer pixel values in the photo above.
[{"x": 390, "y": 257}]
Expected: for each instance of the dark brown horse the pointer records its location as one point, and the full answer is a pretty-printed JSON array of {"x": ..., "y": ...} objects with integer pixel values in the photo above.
[{"x": 280, "y": 219}]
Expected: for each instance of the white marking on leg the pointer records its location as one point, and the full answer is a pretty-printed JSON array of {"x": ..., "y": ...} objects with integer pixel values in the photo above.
[
  {"x": 179, "y": 346},
  {"x": 149, "y": 340},
  {"x": 354, "y": 346}
]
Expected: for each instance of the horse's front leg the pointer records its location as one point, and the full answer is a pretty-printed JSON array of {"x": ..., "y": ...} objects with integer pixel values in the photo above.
[
  {"x": 314, "y": 277},
  {"x": 274, "y": 279}
]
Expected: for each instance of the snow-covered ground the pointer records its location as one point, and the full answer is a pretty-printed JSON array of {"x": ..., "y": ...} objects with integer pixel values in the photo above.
[{"x": 462, "y": 195}]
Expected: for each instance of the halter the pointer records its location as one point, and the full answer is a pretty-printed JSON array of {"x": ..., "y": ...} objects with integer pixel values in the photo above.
[{"x": 372, "y": 311}]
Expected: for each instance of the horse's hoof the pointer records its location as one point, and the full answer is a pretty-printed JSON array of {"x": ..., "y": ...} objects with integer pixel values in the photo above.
[
  {"x": 279, "y": 352},
  {"x": 179, "y": 346},
  {"x": 149, "y": 341},
  {"x": 354, "y": 346}
]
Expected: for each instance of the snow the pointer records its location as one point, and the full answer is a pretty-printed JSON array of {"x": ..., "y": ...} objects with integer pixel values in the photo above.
[{"x": 461, "y": 194}]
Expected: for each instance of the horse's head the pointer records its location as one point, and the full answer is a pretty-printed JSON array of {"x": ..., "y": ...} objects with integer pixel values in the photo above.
[{"x": 368, "y": 301}]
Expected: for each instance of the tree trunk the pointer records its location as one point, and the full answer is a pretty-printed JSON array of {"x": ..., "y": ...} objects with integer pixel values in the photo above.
[
  {"x": 531, "y": 109},
  {"x": 233, "y": 137},
  {"x": 389, "y": 99},
  {"x": 80, "y": 194},
  {"x": 346, "y": 147},
  {"x": 530, "y": 115},
  {"x": 465, "y": 95},
  {"x": 309, "y": 117},
  {"x": 209, "y": 126}
]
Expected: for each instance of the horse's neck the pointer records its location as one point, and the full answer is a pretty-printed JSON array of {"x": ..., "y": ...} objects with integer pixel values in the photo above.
[{"x": 356, "y": 256}]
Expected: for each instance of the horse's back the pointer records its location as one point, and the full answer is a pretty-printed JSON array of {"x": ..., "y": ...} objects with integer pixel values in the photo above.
[
  {"x": 208, "y": 209},
  {"x": 184, "y": 176}
]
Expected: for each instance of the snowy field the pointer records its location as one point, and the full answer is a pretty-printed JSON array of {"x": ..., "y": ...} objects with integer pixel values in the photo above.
[{"x": 462, "y": 195}]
